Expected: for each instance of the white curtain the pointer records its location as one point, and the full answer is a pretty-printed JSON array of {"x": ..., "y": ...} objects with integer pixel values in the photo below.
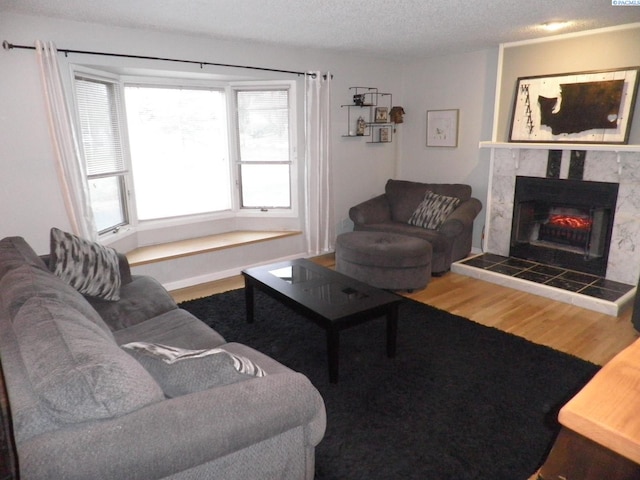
[
  {"x": 69, "y": 164},
  {"x": 320, "y": 224}
]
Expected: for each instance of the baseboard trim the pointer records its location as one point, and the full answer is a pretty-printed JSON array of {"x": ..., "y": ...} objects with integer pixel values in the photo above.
[{"x": 220, "y": 275}]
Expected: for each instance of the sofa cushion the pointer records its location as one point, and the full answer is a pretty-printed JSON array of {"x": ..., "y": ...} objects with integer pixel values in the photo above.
[
  {"x": 75, "y": 368},
  {"x": 15, "y": 252},
  {"x": 141, "y": 299},
  {"x": 182, "y": 371},
  {"x": 404, "y": 197},
  {"x": 178, "y": 328},
  {"x": 89, "y": 267},
  {"x": 28, "y": 281},
  {"x": 433, "y": 210}
]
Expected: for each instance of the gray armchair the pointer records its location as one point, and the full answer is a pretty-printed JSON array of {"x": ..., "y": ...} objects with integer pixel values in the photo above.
[{"x": 391, "y": 211}]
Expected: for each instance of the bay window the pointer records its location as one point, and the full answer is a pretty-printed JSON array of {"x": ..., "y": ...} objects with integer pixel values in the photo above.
[{"x": 165, "y": 148}]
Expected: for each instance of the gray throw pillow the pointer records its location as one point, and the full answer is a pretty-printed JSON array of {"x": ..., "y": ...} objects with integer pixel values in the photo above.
[
  {"x": 89, "y": 267},
  {"x": 433, "y": 210},
  {"x": 180, "y": 371}
]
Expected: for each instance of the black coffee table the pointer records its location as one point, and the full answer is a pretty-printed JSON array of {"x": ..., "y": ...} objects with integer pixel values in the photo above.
[{"x": 332, "y": 300}]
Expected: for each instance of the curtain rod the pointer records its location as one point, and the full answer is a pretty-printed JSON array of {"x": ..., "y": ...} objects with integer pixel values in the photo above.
[{"x": 8, "y": 46}]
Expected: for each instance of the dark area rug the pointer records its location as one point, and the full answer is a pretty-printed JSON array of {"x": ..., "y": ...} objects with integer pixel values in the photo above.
[{"x": 460, "y": 400}]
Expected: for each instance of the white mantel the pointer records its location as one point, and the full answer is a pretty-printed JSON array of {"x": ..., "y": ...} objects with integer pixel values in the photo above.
[
  {"x": 603, "y": 163},
  {"x": 618, "y": 148}
]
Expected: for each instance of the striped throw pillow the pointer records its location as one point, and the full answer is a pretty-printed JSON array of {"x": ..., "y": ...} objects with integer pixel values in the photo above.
[
  {"x": 433, "y": 210},
  {"x": 180, "y": 371},
  {"x": 89, "y": 267}
]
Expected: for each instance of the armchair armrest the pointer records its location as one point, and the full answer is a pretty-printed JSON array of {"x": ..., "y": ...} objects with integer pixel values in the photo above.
[
  {"x": 177, "y": 434},
  {"x": 461, "y": 218},
  {"x": 374, "y": 210}
]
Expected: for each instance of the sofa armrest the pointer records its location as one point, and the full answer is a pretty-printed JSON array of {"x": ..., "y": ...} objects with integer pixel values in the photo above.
[
  {"x": 374, "y": 210},
  {"x": 177, "y": 434},
  {"x": 462, "y": 218}
]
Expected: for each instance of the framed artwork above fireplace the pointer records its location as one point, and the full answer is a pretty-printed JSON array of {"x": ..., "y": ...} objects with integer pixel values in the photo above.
[{"x": 582, "y": 107}]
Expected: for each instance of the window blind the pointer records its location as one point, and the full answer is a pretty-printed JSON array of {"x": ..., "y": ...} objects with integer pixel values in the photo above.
[
  {"x": 98, "y": 117},
  {"x": 263, "y": 125}
]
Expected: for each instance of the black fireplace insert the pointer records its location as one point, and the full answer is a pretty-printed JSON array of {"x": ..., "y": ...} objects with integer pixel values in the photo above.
[{"x": 565, "y": 223}]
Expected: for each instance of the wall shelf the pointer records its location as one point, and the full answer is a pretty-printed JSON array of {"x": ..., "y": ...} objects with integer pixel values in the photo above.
[
  {"x": 369, "y": 98},
  {"x": 377, "y": 133},
  {"x": 602, "y": 147}
]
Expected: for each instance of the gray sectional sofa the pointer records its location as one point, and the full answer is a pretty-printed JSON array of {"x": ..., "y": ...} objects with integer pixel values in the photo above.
[
  {"x": 393, "y": 210},
  {"x": 83, "y": 407}
]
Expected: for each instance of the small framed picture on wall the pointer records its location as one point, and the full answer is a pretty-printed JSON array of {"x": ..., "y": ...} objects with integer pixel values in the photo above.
[
  {"x": 442, "y": 128},
  {"x": 382, "y": 114}
]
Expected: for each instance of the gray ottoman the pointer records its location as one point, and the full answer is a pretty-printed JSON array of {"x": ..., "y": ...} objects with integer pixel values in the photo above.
[{"x": 384, "y": 260}]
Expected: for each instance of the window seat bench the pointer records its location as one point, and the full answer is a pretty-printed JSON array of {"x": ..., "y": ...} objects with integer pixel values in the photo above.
[{"x": 195, "y": 246}]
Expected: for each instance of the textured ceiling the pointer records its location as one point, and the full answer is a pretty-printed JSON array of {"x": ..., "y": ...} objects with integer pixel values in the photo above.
[{"x": 390, "y": 28}]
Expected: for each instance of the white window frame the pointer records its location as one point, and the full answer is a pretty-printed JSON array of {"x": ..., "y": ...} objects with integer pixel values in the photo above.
[
  {"x": 289, "y": 85},
  {"x": 128, "y": 195},
  {"x": 192, "y": 225}
]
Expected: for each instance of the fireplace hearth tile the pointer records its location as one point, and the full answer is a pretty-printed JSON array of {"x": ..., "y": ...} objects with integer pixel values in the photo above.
[
  {"x": 611, "y": 285},
  {"x": 580, "y": 277},
  {"x": 533, "y": 276},
  {"x": 481, "y": 262},
  {"x": 603, "y": 293},
  {"x": 581, "y": 289},
  {"x": 548, "y": 270},
  {"x": 518, "y": 262},
  {"x": 492, "y": 257},
  {"x": 505, "y": 269},
  {"x": 565, "y": 284}
]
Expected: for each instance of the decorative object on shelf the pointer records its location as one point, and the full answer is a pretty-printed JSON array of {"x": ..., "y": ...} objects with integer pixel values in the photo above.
[
  {"x": 359, "y": 100},
  {"x": 442, "y": 128},
  {"x": 382, "y": 115},
  {"x": 581, "y": 107},
  {"x": 360, "y": 126},
  {"x": 385, "y": 134},
  {"x": 396, "y": 114}
]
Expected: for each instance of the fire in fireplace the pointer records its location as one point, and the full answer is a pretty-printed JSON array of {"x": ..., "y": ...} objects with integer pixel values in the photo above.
[
  {"x": 566, "y": 223},
  {"x": 572, "y": 227}
]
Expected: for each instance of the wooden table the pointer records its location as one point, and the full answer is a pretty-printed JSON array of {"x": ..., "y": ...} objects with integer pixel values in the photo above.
[
  {"x": 600, "y": 437},
  {"x": 328, "y": 298}
]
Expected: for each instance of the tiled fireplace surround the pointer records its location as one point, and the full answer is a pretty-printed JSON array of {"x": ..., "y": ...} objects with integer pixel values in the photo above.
[{"x": 600, "y": 166}]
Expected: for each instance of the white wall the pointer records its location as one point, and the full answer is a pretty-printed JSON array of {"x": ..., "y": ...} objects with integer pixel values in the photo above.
[
  {"x": 30, "y": 202},
  {"x": 465, "y": 82}
]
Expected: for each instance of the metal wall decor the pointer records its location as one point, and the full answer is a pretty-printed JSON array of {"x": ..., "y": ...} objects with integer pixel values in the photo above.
[
  {"x": 373, "y": 109},
  {"x": 583, "y": 107}
]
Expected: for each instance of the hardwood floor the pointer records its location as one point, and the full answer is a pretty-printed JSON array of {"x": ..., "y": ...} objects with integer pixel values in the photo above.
[{"x": 586, "y": 334}]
